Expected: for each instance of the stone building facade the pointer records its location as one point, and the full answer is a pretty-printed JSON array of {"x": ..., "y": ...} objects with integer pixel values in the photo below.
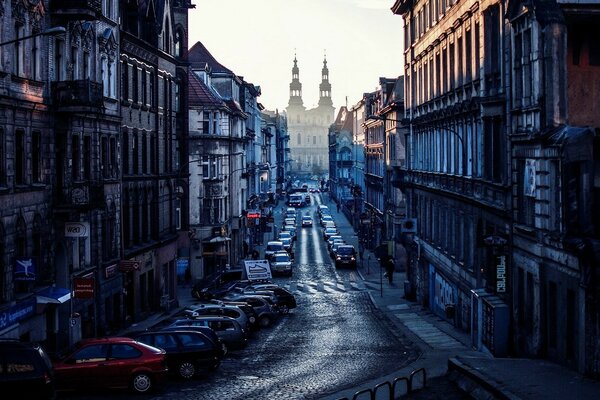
[
  {"x": 92, "y": 102},
  {"x": 308, "y": 128}
]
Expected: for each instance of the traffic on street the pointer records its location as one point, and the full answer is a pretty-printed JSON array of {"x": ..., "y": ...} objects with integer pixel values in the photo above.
[{"x": 334, "y": 337}]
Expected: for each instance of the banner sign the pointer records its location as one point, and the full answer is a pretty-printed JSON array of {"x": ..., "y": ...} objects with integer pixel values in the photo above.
[
  {"x": 257, "y": 269},
  {"x": 25, "y": 268},
  {"x": 83, "y": 288}
]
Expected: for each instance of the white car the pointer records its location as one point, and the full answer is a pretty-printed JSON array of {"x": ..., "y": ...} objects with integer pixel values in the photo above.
[
  {"x": 273, "y": 247},
  {"x": 307, "y": 221}
]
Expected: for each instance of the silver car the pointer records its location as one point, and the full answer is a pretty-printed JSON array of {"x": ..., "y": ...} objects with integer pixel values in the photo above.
[{"x": 281, "y": 263}]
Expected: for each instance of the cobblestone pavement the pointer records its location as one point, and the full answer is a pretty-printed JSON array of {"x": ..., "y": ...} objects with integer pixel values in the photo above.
[{"x": 334, "y": 339}]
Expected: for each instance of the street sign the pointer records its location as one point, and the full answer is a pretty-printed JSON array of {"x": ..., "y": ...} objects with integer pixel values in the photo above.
[{"x": 257, "y": 269}]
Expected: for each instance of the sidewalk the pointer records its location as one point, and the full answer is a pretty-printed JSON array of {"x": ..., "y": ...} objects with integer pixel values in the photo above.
[{"x": 445, "y": 349}]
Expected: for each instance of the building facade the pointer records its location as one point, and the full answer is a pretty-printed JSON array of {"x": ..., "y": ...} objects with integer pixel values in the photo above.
[
  {"x": 308, "y": 128},
  {"x": 458, "y": 178}
]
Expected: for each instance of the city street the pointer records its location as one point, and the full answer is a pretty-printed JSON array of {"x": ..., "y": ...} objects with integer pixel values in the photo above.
[{"x": 334, "y": 339}]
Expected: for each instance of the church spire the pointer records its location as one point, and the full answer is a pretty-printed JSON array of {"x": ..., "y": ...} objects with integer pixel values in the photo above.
[
  {"x": 325, "y": 86},
  {"x": 295, "y": 85}
]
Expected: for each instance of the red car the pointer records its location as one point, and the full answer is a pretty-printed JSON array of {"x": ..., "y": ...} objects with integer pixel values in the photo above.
[{"x": 113, "y": 362}]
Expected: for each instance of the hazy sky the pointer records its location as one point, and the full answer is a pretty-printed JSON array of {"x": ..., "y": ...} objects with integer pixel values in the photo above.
[{"x": 256, "y": 39}]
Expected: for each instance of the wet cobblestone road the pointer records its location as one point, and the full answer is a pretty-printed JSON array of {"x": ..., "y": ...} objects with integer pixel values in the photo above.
[{"x": 334, "y": 339}]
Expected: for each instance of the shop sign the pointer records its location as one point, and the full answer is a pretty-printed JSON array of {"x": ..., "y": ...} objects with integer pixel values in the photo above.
[
  {"x": 253, "y": 214},
  {"x": 110, "y": 271},
  {"x": 129, "y": 265},
  {"x": 501, "y": 274},
  {"x": 77, "y": 229},
  {"x": 83, "y": 288},
  {"x": 16, "y": 313}
]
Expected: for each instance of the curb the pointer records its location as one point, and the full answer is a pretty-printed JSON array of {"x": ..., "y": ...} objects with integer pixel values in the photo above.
[{"x": 489, "y": 386}]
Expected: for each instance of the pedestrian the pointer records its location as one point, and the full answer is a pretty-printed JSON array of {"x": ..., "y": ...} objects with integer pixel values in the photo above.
[
  {"x": 390, "y": 266},
  {"x": 338, "y": 207}
]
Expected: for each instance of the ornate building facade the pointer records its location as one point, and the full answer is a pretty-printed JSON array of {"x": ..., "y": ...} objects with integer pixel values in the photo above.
[{"x": 309, "y": 129}]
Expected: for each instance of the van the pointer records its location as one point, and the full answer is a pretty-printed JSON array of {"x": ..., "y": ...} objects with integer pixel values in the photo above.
[{"x": 296, "y": 200}]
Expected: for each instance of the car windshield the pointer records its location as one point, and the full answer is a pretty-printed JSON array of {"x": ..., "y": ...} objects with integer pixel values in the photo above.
[
  {"x": 330, "y": 230},
  {"x": 345, "y": 250},
  {"x": 274, "y": 247},
  {"x": 281, "y": 258},
  {"x": 284, "y": 235},
  {"x": 307, "y": 218}
]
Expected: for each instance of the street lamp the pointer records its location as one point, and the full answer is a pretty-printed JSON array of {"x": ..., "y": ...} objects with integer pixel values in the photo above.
[{"x": 55, "y": 30}]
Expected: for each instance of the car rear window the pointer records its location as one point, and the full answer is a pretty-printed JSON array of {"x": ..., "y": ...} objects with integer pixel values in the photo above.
[
  {"x": 345, "y": 250},
  {"x": 282, "y": 258}
]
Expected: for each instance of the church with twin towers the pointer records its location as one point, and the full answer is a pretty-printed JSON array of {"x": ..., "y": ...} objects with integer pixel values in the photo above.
[{"x": 308, "y": 129}]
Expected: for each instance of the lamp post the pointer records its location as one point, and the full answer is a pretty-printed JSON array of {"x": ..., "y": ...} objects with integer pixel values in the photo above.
[{"x": 53, "y": 31}]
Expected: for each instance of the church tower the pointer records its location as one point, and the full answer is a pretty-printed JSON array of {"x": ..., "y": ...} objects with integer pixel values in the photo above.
[
  {"x": 295, "y": 87},
  {"x": 325, "y": 87}
]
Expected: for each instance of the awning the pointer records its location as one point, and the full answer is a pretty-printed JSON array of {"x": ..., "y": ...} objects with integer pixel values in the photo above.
[
  {"x": 216, "y": 239},
  {"x": 53, "y": 295},
  {"x": 577, "y": 142}
]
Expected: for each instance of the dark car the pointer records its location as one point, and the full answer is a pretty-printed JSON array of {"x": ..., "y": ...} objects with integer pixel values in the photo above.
[
  {"x": 210, "y": 333},
  {"x": 26, "y": 369},
  {"x": 265, "y": 309},
  {"x": 282, "y": 298},
  {"x": 228, "y": 329},
  {"x": 345, "y": 256},
  {"x": 188, "y": 352},
  {"x": 114, "y": 362}
]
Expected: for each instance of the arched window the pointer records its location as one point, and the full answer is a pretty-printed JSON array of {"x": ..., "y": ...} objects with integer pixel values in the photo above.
[{"x": 3, "y": 292}]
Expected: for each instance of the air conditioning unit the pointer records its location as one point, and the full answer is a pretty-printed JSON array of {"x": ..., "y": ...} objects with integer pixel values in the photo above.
[{"x": 409, "y": 225}]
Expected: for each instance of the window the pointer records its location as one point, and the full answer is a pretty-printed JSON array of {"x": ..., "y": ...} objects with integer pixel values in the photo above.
[
  {"x": 36, "y": 157},
  {"x": 211, "y": 211},
  {"x": 177, "y": 98},
  {"x": 314, "y": 140},
  {"x": 2, "y": 159},
  {"x": 144, "y": 154},
  {"x": 59, "y": 54},
  {"x": 134, "y": 84},
  {"x": 35, "y": 58},
  {"x": 144, "y": 87},
  {"x": 299, "y": 139},
  {"x": 20, "y": 157},
  {"x": 493, "y": 153},
  {"x": 151, "y": 89},
  {"x": 105, "y": 73},
  {"x": 210, "y": 168},
  {"x": 19, "y": 50},
  {"x": 125, "y": 81},
  {"x": 468, "y": 56},
  {"x": 134, "y": 153},
  {"x": 85, "y": 72},
  {"x": 87, "y": 158},
  {"x": 206, "y": 123},
  {"x": 125, "y": 151},
  {"x": 74, "y": 66},
  {"x": 177, "y": 213},
  {"x": 105, "y": 158},
  {"x": 75, "y": 160}
]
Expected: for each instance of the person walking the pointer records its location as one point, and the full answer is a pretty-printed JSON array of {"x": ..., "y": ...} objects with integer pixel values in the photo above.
[{"x": 390, "y": 266}]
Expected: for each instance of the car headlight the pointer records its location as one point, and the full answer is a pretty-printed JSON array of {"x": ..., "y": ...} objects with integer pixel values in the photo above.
[
  {"x": 352, "y": 258},
  {"x": 338, "y": 258}
]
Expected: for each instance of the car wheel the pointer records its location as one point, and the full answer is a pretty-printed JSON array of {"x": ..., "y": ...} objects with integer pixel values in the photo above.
[
  {"x": 187, "y": 370},
  {"x": 265, "y": 321},
  {"x": 284, "y": 309},
  {"x": 141, "y": 382}
]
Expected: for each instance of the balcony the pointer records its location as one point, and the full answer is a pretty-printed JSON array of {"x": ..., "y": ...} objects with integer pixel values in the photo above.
[
  {"x": 82, "y": 195},
  {"x": 86, "y": 10},
  {"x": 77, "y": 96}
]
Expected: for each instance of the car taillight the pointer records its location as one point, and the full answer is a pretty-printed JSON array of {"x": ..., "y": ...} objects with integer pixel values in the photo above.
[{"x": 47, "y": 378}]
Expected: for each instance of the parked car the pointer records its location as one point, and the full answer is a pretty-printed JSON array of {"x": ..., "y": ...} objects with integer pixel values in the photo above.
[
  {"x": 265, "y": 309},
  {"x": 245, "y": 307},
  {"x": 210, "y": 333},
  {"x": 282, "y": 298},
  {"x": 345, "y": 256},
  {"x": 335, "y": 245},
  {"x": 331, "y": 239},
  {"x": 188, "y": 352},
  {"x": 26, "y": 370},
  {"x": 307, "y": 221},
  {"x": 273, "y": 247},
  {"x": 329, "y": 232},
  {"x": 124, "y": 362},
  {"x": 234, "y": 312},
  {"x": 281, "y": 263},
  {"x": 326, "y": 218},
  {"x": 229, "y": 331}
]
